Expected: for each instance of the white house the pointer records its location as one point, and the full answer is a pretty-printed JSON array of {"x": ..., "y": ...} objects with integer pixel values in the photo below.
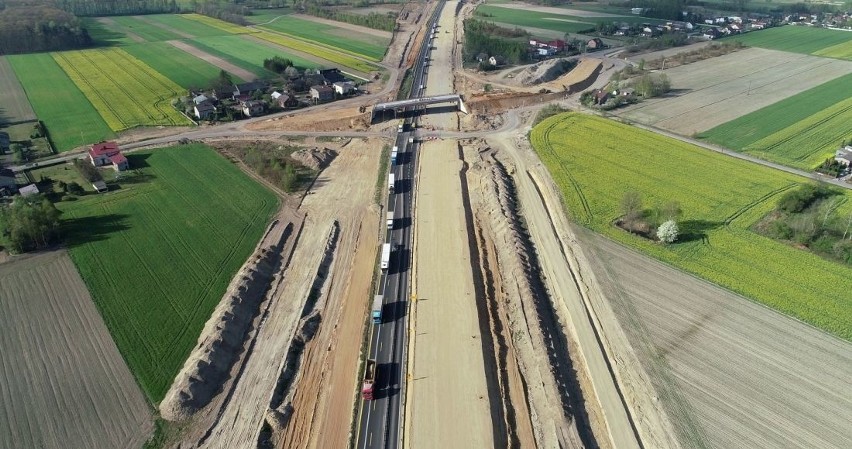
[{"x": 343, "y": 87}]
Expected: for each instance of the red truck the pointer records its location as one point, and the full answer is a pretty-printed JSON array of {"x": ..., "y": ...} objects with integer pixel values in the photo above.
[{"x": 369, "y": 380}]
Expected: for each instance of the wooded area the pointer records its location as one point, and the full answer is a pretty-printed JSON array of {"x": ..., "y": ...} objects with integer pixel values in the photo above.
[
  {"x": 26, "y": 29},
  {"x": 117, "y": 7},
  {"x": 487, "y": 39}
]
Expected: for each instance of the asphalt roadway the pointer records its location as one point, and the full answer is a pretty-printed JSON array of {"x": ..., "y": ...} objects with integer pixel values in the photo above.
[{"x": 379, "y": 422}]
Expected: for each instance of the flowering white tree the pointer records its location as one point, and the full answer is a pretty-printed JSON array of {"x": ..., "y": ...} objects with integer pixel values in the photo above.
[{"x": 667, "y": 232}]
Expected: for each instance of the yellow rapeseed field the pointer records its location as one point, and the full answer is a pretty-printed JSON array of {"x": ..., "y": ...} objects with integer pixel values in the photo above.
[
  {"x": 594, "y": 161},
  {"x": 125, "y": 91}
]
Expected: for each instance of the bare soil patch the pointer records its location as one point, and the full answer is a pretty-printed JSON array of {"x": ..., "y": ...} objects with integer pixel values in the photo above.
[
  {"x": 215, "y": 60},
  {"x": 714, "y": 91},
  {"x": 64, "y": 382},
  {"x": 731, "y": 372},
  {"x": 450, "y": 403},
  {"x": 14, "y": 105}
]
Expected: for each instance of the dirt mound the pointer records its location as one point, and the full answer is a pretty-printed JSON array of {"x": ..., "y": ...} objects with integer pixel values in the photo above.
[
  {"x": 314, "y": 158},
  {"x": 545, "y": 71},
  {"x": 223, "y": 337}
]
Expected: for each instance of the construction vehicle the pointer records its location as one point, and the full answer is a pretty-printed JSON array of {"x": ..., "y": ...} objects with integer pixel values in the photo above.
[
  {"x": 377, "y": 309},
  {"x": 369, "y": 380}
]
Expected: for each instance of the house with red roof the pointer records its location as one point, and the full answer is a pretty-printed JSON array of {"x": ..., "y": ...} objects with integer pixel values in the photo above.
[{"x": 107, "y": 153}]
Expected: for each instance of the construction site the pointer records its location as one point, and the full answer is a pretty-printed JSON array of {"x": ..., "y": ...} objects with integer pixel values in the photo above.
[{"x": 517, "y": 327}]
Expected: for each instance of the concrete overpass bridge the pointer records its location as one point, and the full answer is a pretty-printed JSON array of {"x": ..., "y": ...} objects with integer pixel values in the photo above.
[{"x": 395, "y": 108}]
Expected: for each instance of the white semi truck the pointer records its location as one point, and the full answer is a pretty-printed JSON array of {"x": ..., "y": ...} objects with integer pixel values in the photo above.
[
  {"x": 390, "y": 219},
  {"x": 390, "y": 183},
  {"x": 385, "y": 256}
]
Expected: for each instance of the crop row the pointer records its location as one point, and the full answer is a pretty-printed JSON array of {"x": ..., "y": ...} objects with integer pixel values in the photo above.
[
  {"x": 220, "y": 24},
  {"x": 124, "y": 90},
  {"x": 594, "y": 161},
  {"x": 318, "y": 51},
  {"x": 336, "y": 56},
  {"x": 839, "y": 51},
  {"x": 808, "y": 142}
]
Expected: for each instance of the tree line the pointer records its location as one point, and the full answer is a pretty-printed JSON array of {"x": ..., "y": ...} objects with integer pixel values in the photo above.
[
  {"x": 29, "y": 223},
  {"x": 386, "y": 22},
  {"x": 117, "y": 7},
  {"x": 26, "y": 29}
]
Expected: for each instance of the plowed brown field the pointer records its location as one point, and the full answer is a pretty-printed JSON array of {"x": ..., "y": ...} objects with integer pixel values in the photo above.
[{"x": 63, "y": 383}]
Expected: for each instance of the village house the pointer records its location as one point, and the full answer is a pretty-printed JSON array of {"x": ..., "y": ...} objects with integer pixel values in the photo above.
[
  {"x": 204, "y": 110},
  {"x": 321, "y": 94},
  {"x": 253, "y": 108},
  {"x": 286, "y": 101},
  {"x": 711, "y": 33},
  {"x": 245, "y": 90},
  {"x": 594, "y": 44},
  {"x": 107, "y": 153},
  {"x": 344, "y": 87},
  {"x": 601, "y": 96},
  {"x": 844, "y": 155},
  {"x": 8, "y": 185}
]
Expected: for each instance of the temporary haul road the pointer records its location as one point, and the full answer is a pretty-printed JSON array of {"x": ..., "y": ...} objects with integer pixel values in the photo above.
[{"x": 379, "y": 423}]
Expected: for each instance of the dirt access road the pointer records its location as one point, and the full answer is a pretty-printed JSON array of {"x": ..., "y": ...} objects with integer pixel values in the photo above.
[
  {"x": 63, "y": 383},
  {"x": 317, "y": 287}
]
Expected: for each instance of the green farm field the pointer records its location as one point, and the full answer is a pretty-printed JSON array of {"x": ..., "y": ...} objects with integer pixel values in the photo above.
[
  {"x": 158, "y": 253},
  {"x": 177, "y": 65},
  {"x": 594, "y": 161},
  {"x": 70, "y": 118},
  {"x": 799, "y": 131},
  {"x": 187, "y": 26},
  {"x": 244, "y": 53},
  {"x": 371, "y": 47},
  {"x": 555, "y": 22},
  {"x": 143, "y": 29},
  {"x": 799, "y": 39}
]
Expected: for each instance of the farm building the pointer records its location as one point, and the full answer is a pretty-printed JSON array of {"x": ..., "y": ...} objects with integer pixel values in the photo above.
[
  {"x": 200, "y": 99},
  {"x": 320, "y": 94},
  {"x": 107, "y": 153},
  {"x": 8, "y": 185},
  {"x": 100, "y": 186},
  {"x": 332, "y": 76},
  {"x": 253, "y": 108},
  {"x": 28, "y": 190},
  {"x": 204, "y": 110},
  {"x": 4, "y": 141},
  {"x": 344, "y": 87}
]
